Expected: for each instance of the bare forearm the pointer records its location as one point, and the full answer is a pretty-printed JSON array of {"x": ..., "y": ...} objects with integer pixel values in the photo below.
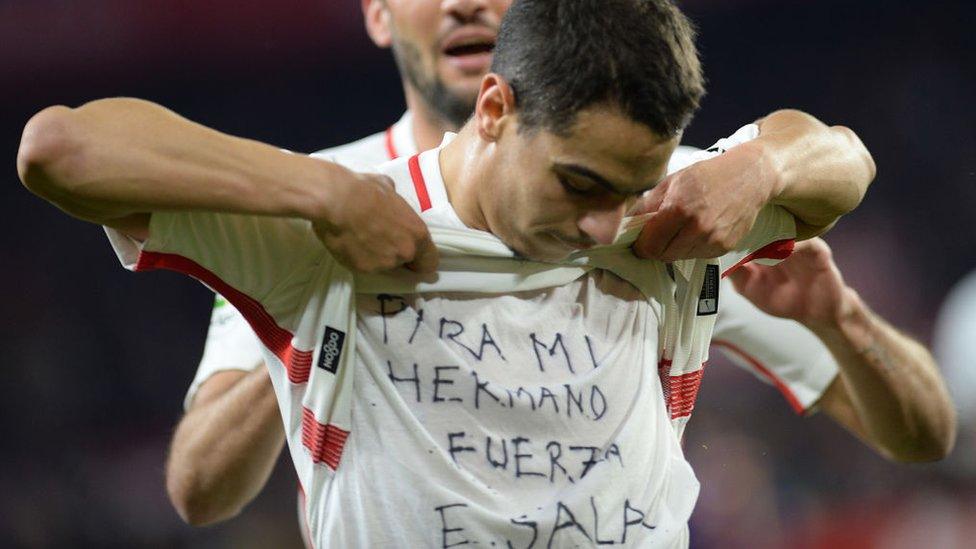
[
  {"x": 115, "y": 157},
  {"x": 224, "y": 450},
  {"x": 894, "y": 385},
  {"x": 820, "y": 172}
]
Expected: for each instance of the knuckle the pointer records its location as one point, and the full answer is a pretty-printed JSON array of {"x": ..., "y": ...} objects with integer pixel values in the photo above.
[
  {"x": 406, "y": 250},
  {"x": 680, "y": 209},
  {"x": 698, "y": 224}
]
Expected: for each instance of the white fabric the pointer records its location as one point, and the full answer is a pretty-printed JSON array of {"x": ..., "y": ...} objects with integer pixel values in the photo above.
[
  {"x": 603, "y": 457},
  {"x": 777, "y": 351}
]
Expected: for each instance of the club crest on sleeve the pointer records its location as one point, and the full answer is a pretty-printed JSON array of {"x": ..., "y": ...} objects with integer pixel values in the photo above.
[
  {"x": 331, "y": 350},
  {"x": 708, "y": 299}
]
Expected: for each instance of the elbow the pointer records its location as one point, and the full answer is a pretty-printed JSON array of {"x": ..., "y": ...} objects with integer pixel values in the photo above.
[
  {"x": 863, "y": 170},
  {"x": 921, "y": 453},
  {"x": 194, "y": 503},
  {"x": 935, "y": 445},
  {"x": 48, "y": 144}
]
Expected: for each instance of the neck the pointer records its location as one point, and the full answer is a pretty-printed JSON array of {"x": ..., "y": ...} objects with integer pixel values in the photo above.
[
  {"x": 428, "y": 126},
  {"x": 464, "y": 166}
]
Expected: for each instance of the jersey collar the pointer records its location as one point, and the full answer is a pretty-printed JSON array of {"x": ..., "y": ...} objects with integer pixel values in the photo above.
[{"x": 399, "y": 139}]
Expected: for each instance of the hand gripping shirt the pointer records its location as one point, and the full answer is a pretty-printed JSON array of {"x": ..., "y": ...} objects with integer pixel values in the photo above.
[{"x": 508, "y": 402}]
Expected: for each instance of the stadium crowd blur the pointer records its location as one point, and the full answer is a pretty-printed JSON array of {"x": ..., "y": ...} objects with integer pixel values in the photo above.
[{"x": 96, "y": 361}]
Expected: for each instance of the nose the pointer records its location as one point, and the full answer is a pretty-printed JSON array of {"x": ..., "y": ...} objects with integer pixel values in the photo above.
[
  {"x": 465, "y": 11},
  {"x": 601, "y": 225}
]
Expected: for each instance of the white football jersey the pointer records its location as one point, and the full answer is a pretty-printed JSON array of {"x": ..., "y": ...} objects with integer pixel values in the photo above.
[{"x": 507, "y": 403}]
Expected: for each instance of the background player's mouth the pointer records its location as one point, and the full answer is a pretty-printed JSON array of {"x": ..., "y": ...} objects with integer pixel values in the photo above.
[
  {"x": 470, "y": 52},
  {"x": 471, "y": 58}
]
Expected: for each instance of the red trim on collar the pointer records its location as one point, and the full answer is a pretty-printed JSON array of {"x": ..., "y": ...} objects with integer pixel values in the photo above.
[
  {"x": 419, "y": 185},
  {"x": 390, "y": 146}
]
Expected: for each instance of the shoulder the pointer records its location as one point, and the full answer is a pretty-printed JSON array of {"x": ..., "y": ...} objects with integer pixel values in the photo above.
[{"x": 360, "y": 155}]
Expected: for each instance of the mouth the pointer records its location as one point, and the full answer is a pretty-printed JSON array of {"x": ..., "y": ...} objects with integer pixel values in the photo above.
[
  {"x": 474, "y": 48},
  {"x": 469, "y": 49}
]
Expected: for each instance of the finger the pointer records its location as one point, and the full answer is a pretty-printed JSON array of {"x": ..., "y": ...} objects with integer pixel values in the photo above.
[
  {"x": 427, "y": 258},
  {"x": 688, "y": 244},
  {"x": 744, "y": 276},
  {"x": 657, "y": 234}
]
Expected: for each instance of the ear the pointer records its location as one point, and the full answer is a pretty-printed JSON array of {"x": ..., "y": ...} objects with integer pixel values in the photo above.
[
  {"x": 495, "y": 108},
  {"x": 377, "y": 18}
]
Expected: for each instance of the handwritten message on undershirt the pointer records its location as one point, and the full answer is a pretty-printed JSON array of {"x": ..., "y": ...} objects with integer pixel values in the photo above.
[{"x": 532, "y": 413}]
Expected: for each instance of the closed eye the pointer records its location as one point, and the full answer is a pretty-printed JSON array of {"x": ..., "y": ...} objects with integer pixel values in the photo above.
[{"x": 573, "y": 187}]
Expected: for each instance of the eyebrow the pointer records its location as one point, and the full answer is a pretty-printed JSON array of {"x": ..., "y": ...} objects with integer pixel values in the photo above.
[{"x": 583, "y": 171}]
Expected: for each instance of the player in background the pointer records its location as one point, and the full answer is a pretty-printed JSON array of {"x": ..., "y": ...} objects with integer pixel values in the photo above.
[{"x": 227, "y": 443}]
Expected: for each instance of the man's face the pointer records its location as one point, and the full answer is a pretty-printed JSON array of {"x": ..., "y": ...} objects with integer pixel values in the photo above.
[
  {"x": 443, "y": 49},
  {"x": 551, "y": 195}
]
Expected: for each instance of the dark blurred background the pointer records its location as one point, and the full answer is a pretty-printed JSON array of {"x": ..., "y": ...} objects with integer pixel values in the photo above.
[{"x": 95, "y": 361}]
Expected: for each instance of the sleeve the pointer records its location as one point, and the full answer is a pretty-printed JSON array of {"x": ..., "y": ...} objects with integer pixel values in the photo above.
[
  {"x": 778, "y": 351},
  {"x": 262, "y": 265},
  {"x": 770, "y": 241},
  {"x": 230, "y": 345}
]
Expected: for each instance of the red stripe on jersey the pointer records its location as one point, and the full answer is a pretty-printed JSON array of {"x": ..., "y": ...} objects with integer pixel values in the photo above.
[
  {"x": 419, "y": 184},
  {"x": 777, "y": 382},
  {"x": 683, "y": 391},
  {"x": 781, "y": 249},
  {"x": 325, "y": 442},
  {"x": 390, "y": 145},
  {"x": 297, "y": 363},
  {"x": 664, "y": 373}
]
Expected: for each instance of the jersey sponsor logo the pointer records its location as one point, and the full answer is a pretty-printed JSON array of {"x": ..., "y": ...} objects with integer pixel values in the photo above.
[
  {"x": 708, "y": 299},
  {"x": 331, "y": 350}
]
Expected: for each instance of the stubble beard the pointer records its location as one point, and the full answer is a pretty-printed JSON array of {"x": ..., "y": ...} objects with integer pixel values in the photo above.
[{"x": 449, "y": 106}]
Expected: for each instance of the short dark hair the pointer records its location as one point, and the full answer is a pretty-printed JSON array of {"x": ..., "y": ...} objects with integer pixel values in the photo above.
[{"x": 563, "y": 56}]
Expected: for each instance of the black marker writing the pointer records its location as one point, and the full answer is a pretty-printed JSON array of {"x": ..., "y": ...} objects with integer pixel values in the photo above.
[
  {"x": 416, "y": 326},
  {"x": 445, "y": 531},
  {"x": 628, "y": 510},
  {"x": 557, "y": 343},
  {"x": 415, "y": 379},
  {"x": 503, "y": 464},
  {"x": 455, "y": 331},
  {"x": 438, "y": 381},
  {"x": 384, "y": 299},
  {"x": 570, "y": 521},
  {"x": 453, "y": 449},
  {"x": 524, "y": 522},
  {"x": 596, "y": 525},
  {"x": 516, "y": 442}
]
